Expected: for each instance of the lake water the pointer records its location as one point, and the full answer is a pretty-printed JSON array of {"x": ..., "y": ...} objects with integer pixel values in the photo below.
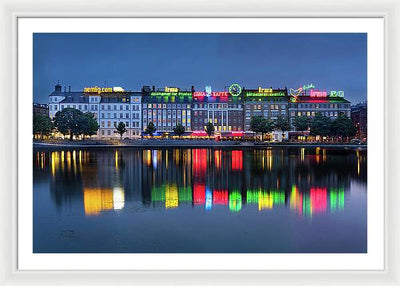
[{"x": 293, "y": 200}]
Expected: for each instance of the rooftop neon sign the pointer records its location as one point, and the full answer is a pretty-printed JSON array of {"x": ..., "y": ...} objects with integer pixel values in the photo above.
[
  {"x": 317, "y": 93},
  {"x": 96, "y": 89},
  {"x": 214, "y": 93},
  {"x": 296, "y": 92},
  {"x": 171, "y": 89},
  {"x": 308, "y": 86},
  {"x": 184, "y": 93},
  {"x": 253, "y": 93},
  {"x": 335, "y": 93}
]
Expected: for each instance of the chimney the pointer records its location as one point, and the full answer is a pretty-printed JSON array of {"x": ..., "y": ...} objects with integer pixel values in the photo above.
[
  {"x": 57, "y": 87},
  {"x": 69, "y": 88},
  {"x": 154, "y": 88},
  {"x": 192, "y": 88}
]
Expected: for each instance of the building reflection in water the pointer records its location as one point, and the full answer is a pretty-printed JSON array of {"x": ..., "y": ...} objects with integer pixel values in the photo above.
[
  {"x": 98, "y": 200},
  {"x": 307, "y": 181}
]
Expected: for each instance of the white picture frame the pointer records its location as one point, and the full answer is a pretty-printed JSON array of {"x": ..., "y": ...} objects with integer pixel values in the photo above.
[{"x": 12, "y": 10}]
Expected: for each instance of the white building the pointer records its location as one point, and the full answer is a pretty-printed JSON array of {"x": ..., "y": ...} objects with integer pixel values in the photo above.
[{"x": 109, "y": 105}]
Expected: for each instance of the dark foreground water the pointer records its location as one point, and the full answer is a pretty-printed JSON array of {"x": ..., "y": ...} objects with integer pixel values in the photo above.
[{"x": 200, "y": 200}]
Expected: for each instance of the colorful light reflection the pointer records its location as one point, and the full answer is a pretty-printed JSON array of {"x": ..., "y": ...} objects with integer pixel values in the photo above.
[{"x": 235, "y": 201}]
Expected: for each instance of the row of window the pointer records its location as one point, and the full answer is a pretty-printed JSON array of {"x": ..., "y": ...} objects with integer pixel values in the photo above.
[
  {"x": 312, "y": 113},
  {"x": 167, "y": 122},
  {"x": 217, "y": 105},
  {"x": 120, "y": 107},
  {"x": 321, "y": 105},
  {"x": 121, "y": 115},
  {"x": 265, "y": 106},
  {"x": 216, "y": 113},
  {"x": 103, "y": 124},
  {"x": 165, "y": 112},
  {"x": 128, "y": 132},
  {"x": 164, "y": 105},
  {"x": 217, "y": 120}
]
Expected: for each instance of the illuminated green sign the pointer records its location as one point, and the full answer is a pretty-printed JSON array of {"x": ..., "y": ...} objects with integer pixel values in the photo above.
[
  {"x": 308, "y": 86},
  {"x": 183, "y": 93},
  {"x": 252, "y": 93},
  {"x": 334, "y": 93}
]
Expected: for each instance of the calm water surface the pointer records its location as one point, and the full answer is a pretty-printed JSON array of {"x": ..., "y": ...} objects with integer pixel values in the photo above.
[{"x": 200, "y": 200}]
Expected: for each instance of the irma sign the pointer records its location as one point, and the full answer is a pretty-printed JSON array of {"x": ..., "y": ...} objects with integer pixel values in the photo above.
[{"x": 265, "y": 92}]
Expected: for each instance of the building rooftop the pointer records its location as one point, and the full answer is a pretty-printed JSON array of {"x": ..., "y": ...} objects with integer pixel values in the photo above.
[{"x": 309, "y": 99}]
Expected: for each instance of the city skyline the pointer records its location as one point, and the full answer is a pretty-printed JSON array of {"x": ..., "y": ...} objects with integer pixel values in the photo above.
[{"x": 329, "y": 61}]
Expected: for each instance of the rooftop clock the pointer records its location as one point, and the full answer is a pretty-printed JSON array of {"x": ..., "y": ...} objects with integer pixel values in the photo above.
[{"x": 235, "y": 89}]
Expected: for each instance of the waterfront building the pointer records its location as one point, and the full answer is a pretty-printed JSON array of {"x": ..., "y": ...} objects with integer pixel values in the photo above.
[
  {"x": 266, "y": 102},
  {"x": 308, "y": 101},
  {"x": 224, "y": 109},
  {"x": 166, "y": 108},
  {"x": 359, "y": 118},
  {"x": 109, "y": 106},
  {"x": 230, "y": 111},
  {"x": 118, "y": 107},
  {"x": 40, "y": 109}
]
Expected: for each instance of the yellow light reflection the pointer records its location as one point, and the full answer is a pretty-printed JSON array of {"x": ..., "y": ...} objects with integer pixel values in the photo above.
[
  {"x": 265, "y": 201},
  {"x": 302, "y": 154},
  {"x": 148, "y": 157},
  {"x": 269, "y": 155},
  {"x": 96, "y": 200},
  {"x": 69, "y": 160},
  {"x": 171, "y": 196},
  {"x": 55, "y": 161},
  {"x": 116, "y": 159}
]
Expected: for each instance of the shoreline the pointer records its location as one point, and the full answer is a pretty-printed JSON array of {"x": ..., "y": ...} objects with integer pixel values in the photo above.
[{"x": 196, "y": 144}]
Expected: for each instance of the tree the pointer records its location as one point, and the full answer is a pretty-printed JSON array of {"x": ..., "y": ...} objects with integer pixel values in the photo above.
[
  {"x": 68, "y": 121},
  {"x": 42, "y": 125},
  {"x": 282, "y": 124},
  {"x": 179, "y": 130},
  {"x": 321, "y": 125},
  {"x": 88, "y": 124},
  {"x": 267, "y": 127},
  {"x": 210, "y": 129},
  {"x": 259, "y": 124},
  {"x": 301, "y": 123},
  {"x": 120, "y": 129},
  {"x": 150, "y": 129},
  {"x": 343, "y": 127},
  {"x": 256, "y": 124}
]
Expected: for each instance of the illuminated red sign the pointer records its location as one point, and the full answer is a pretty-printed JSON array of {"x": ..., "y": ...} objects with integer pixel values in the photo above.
[
  {"x": 220, "y": 93},
  {"x": 199, "y": 94},
  {"x": 214, "y": 93},
  {"x": 316, "y": 93}
]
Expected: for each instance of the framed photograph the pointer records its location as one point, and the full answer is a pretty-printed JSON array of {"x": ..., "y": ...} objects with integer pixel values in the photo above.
[{"x": 185, "y": 145}]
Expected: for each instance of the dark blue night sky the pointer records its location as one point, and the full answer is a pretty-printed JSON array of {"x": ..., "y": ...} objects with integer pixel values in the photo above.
[{"x": 329, "y": 61}]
